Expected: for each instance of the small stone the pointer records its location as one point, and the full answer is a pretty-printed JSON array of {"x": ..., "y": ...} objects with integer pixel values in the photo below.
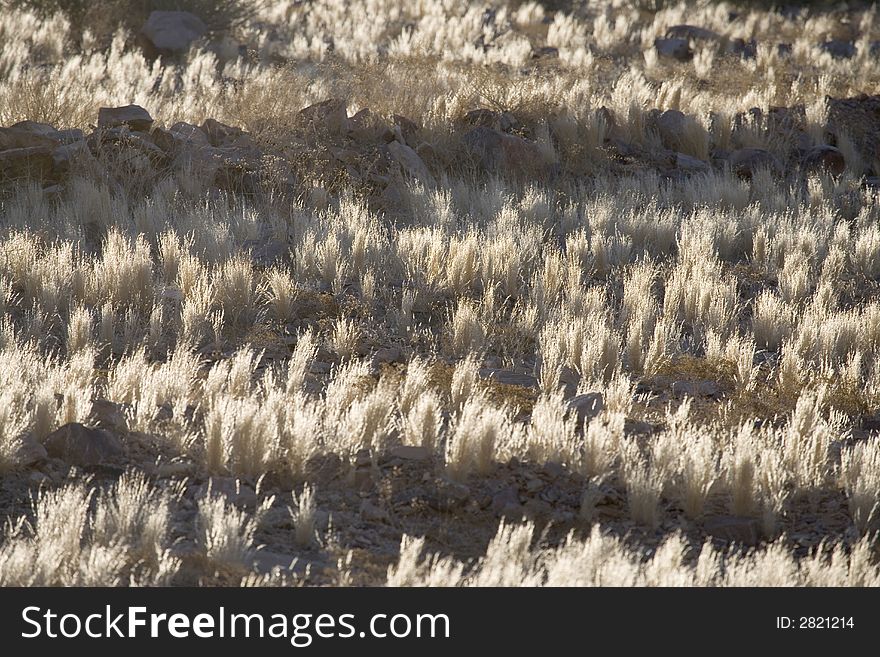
[
  {"x": 733, "y": 529},
  {"x": 77, "y": 444}
]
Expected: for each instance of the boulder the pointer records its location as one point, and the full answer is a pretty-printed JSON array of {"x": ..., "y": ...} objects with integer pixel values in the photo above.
[
  {"x": 133, "y": 116},
  {"x": 173, "y": 31},
  {"x": 77, "y": 444}
]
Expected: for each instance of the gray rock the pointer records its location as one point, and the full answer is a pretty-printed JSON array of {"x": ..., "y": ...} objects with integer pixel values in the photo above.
[
  {"x": 733, "y": 529},
  {"x": 133, "y": 116},
  {"x": 77, "y": 444},
  {"x": 173, "y": 31},
  {"x": 586, "y": 406},
  {"x": 678, "y": 49}
]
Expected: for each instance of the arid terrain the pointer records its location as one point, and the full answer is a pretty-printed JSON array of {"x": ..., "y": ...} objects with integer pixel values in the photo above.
[{"x": 439, "y": 293}]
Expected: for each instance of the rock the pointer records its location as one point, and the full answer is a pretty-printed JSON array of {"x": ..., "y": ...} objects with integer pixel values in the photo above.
[
  {"x": 34, "y": 162},
  {"x": 330, "y": 115},
  {"x": 28, "y": 451},
  {"x": 77, "y": 444},
  {"x": 106, "y": 414},
  {"x": 691, "y": 33},
  {"x": 704, "y": 388},
  {"x": 410, "y": 453},
  {"x": 373, "y": 513},
  {"x": 411, "y": 163},
  {"x": 173, "y": 31},
  {"x": 586, "y": 406},
  {"x": 133, "y": 116},
  {"x": 745, "y": 162},
  {"x": 678, "y": 49},
  {"x": 839, "y": 49},
  {"x": 733, "y": 529},
  {"x": 509, "y": 377},
  {"x": 824, "y": 158},
  {"x": 690, "y": 164},
  {"x": 498, "y": 152}
]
